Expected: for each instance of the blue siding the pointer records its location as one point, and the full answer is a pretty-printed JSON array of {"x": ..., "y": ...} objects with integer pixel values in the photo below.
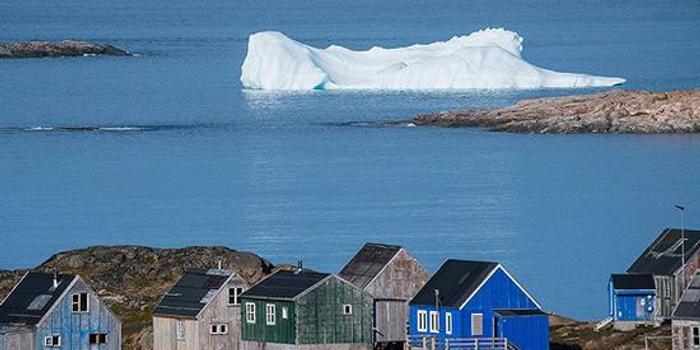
[
  {"x": 526, "y": 332},
  {"x": 632, "y": 305}
]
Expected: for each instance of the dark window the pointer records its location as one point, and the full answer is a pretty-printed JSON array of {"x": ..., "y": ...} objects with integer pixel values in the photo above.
[
  {"x": 696, "y": 337},
  {"x": 80, "y": 302},
  {"x": 233, "y": 295},
  {"x": 98, "y": 338}
]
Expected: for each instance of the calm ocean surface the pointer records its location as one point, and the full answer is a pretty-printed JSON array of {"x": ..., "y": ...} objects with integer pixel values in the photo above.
[{"x": 189, "y": 159}]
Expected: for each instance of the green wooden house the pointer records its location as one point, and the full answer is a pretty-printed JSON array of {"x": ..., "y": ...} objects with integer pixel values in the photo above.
[{"x": 306, "y": 310}]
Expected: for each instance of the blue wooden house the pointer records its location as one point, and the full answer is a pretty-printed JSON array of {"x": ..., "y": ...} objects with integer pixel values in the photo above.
[
  {"x": 476, "y": 303},
  {"x": 46, "y": 311},
  {"x": 632, "y": 299}
]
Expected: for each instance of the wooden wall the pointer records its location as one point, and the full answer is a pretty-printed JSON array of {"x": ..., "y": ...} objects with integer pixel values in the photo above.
[
  {"x": 165, "y": 334},
  {"x": 17, "y": 339}
]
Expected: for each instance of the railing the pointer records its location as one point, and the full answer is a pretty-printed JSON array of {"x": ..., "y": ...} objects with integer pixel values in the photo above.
[{"x": 437, "y": 343}]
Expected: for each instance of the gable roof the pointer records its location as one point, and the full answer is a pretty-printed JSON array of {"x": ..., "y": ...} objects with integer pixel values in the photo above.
[
  {"x": 191, "y": 293},
  {"x": 663, "y": 256},
  {"x": 33, "y": 297},
  {"x": 369, "y": 261},
  {"x": 456, "y": 281},
  {"x": 285, "y": 285},
  {"x": 632, "y": 282},
  {"x": 689, "y": 305}
]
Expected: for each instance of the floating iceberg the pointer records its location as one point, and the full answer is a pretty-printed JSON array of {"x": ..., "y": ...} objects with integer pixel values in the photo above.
[{"x": 487, "y": 59}]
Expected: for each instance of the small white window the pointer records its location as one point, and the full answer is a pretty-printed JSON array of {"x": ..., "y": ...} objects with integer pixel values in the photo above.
[
  {"x": 80, "y": 302},
  {"x": 347, "y": 309},
  {"x": 696, "y": 337},
  {"x": 434, "y": 322},
  {"x": 250, "y": 312},
  {"x": 477, "y": 324},
  {"x": 180, "y": 330},
  {"x": 270, "y": 313},
  {"x": 285, "y": 313},
  {"x": 52, "y": 341},
  {"x": 448, "y": 322},
  {"x": 218, "y": 328},
  {"x": 422, "y": 317},
  {"x": 233, "y": 296}
]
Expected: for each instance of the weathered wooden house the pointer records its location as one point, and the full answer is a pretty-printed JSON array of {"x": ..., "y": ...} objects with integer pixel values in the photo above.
[
  {"x": 56, "y": 311},
  {"x": 476, "y": 304},
  {"x": 631, "y": 300},
  {"x": 685, "y": 322},
  {"x": 306, "y": 310},
  {"x": 201, "y": 312},
  {"x": 663, "y": 259},
  {"x": 392, "y": 276}
]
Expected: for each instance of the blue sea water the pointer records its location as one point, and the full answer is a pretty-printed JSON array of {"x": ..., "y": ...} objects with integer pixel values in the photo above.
[{"x": 165, "y": 149}]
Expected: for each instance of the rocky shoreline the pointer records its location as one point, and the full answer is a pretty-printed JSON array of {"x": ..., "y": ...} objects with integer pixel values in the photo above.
[
  {"x": 66, "y": 48},
  {"x": 615, "y": 111},
  {"x": 131, "y": 279}
]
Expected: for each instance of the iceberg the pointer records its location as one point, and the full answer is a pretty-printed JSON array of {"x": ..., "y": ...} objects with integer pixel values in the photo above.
[{"x": 486, "y": 59}]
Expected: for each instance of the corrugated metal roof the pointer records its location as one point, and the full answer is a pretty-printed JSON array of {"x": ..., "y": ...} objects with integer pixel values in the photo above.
[
  {"x": 367, "y": 263},
  {"x": 689, "y": 306},
  {"x": 633, "y": 281},
  {"x": 191, "y": 293},
  {"x": 519, "y": 312},
  {"x": 33, "y": 297},
  {"x": 663, "y": 256},
  {"x": 456, "y": 280},
  {"x": 284, "y": 285}
]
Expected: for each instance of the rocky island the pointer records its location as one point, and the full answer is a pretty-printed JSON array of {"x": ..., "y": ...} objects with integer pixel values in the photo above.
[
  {"x": 615, "y": 111},
  {"x": 66, "y": 48}
]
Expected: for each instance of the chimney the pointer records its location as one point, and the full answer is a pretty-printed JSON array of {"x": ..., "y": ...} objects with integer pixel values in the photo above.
[
  {"x": 300, "y": 266},
  {"x": 219, "y": 264},
  {"x": 55, "y": 279}
]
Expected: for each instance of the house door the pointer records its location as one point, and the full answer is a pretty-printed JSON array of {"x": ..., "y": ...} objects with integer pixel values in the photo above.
[{"x": 495, "y": 328}]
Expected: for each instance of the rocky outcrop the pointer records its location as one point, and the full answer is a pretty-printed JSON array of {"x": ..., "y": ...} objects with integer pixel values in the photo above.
[
  {"x": 131, "y": 279},
  {"x": 33, "y": 49},
  {"x": 616, "y": 111},
  {"x": 566, "y": 334}
]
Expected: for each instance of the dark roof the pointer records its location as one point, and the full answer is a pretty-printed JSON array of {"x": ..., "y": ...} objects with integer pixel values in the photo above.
[
  {"x": 456, "y": 281},
  {"x": 191, "y": 293},
  {"x": 663, "y": 256},
  {"x": 32, "y": 298},
  {"x": 285, "y": 284},
  {"x": 632, "y": 281},
  {"x": 367, "y": 263},
  {"x": 519, "y": 312},
  {"x": 689, "y": 306}
]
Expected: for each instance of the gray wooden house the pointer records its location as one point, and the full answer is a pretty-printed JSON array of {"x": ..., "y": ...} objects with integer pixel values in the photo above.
[
  {"x": 663, "y": 259},
  {"x": 306, "y": 310},
  {"x": 392, "y": 276},
  {"x": 56, "y": 311},
  {"x": 201, "y": 312},
  {"x": 685, "y": 322}
]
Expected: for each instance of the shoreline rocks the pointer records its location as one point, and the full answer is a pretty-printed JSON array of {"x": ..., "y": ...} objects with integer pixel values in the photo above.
[
  {"x": 66, "y": 48},
  {"x": 615, "y": 111}
]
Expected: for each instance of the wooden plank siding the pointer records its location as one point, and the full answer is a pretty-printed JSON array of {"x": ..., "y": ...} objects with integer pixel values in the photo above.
[
  {"x": 284, "y": 330},
  {"x": 22, "y": 339}
]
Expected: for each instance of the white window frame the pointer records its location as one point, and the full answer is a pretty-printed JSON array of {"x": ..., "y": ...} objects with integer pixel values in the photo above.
[
  {"x": 347, "y": 309},
  {"x": 78, "y": 304},
  {"x": 236, "y": 296},
  {"x": 218, "y": 328},
  {"x": 270, "y": 314},
  {"x": 285, "y": 313},
  {"x": 49, "y": 343},
  {"x": 695, "y": 337},
  {"x": 434, "y": 322},
  {"x": 448, "y": 323},
  {"x": 481, "y": 316},
  {"x": 180, "y": 330},
  {"x": 250, "y": 313},
  {"x": 422, "y": 321}
]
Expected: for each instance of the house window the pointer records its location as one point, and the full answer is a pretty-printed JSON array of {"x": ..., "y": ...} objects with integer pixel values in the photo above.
[
  {"x": 52, "y": 341},
  {"x": 448, "y": 322},
  {"x": 477, "y": 324},
  {"x": 422, "y": 317},
  {"x": 98, "y": 338},
  {"x": 285, "y": 313},
  {"x": 434, "y": 322},
  {"x": 80, "y": 302},
  {"x": 696, "y": 337},
  {"x": 180, "y": 330},
  {"x": 270, "y": 314},
  {"x": 250, "y": 312},
  {"x": 347, "y": 309},
  {"x": 233, "y": 295},
  {"x": 219, "y": 328}
]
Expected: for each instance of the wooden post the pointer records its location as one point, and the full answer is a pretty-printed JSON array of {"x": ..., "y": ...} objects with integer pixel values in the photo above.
[
  {"x": 425, "y": 343},
  {"x": 476, "y": 343},
  {"x": 432, "y": 344},
  {"x": 505, "y": 342},
  {"x": 447, "y": 343}
]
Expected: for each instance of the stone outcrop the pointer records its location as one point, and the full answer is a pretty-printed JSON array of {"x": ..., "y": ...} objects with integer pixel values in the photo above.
[
  {"x": 615, "y": 111},
  {"x": 34, "y": 49}
]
